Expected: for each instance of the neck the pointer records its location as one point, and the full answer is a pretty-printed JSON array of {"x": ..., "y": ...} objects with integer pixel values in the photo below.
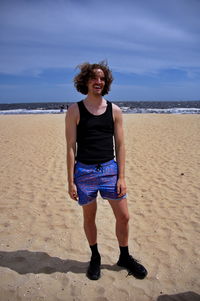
[{"x": 95, "y": 100}]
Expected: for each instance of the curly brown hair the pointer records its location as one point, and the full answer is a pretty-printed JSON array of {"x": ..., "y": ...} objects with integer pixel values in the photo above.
[{"x": 81, "y": 79}]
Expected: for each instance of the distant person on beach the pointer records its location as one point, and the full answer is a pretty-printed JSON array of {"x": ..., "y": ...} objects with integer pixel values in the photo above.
[
  {"x": 91, "y": 126},
  {"x": 62, "y": 108}
]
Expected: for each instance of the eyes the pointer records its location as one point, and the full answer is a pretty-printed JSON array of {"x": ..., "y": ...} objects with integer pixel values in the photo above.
[{"x": 97, "y": 78}]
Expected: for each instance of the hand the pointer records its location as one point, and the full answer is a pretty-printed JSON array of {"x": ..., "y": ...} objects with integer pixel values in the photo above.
[
  {"x": 72, "y": 190},
  {"x": 121, "y": 187}
]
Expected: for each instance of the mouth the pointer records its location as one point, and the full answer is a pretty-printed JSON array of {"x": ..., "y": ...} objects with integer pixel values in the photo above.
[{"x": 97, "y": 87}]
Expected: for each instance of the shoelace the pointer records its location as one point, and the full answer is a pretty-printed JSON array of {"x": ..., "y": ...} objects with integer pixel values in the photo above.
[{"x": 132, "y": 260}]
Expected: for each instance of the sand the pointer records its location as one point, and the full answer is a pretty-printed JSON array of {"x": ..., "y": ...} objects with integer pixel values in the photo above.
[{"x": 43, "y": 251}]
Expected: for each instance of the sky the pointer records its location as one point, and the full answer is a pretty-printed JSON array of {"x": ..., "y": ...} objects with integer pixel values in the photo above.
[{"x": 151, "y": 46}]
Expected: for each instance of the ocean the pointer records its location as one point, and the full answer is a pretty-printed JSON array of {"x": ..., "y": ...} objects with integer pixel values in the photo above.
[{"x": 128, "y": 107}]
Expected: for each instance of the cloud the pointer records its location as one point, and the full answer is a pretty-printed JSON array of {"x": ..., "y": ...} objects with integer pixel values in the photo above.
[
  {"x": 45, "y": 34},
  {"x": 136, "y": 37}
]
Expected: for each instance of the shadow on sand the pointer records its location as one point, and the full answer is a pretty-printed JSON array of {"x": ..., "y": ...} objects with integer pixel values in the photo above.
[
  {"x": 187, "y": 296},
  {"x": 24, "y": 262}
]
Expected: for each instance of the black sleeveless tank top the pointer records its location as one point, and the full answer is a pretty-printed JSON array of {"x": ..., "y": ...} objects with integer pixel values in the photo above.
[{"x": 95, "y": 136}]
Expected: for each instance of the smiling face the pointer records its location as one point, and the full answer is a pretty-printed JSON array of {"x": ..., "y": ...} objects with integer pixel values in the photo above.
[{"x": 96, "y": 83}]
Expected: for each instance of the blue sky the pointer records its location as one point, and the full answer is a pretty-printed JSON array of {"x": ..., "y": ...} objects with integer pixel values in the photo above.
[{"x": 152, "y": 47}]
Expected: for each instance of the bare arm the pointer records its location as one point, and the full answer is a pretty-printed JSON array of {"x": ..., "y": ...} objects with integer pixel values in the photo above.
[
  {"x": 71, "y": 121},
  {"x": 119, "y": 149}
]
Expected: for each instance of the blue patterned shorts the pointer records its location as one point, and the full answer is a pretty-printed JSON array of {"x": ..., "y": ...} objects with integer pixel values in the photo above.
[{"x": 90, "y": 179}]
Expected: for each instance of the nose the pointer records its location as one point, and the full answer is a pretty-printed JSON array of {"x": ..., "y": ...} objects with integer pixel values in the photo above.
[{"x": 98, "y": 80}]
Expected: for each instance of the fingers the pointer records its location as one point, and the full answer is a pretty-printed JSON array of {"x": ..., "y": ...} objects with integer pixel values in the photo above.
[
  {"x": 122, "y": 193},
  {"x": 73, "y": 193},
  {"x": 118, "y": 188},
  {"x": 75, "y": 196},
  {"x": 121, "y": 189}
]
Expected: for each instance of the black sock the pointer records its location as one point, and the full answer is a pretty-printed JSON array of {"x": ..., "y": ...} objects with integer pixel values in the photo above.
[
  {"x": 95, "y": 252},
  {"x": 124, "y": 251}
]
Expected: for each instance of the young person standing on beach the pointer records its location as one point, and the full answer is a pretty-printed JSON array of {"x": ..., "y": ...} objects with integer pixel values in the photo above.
[{"x": 93, "y": 129}]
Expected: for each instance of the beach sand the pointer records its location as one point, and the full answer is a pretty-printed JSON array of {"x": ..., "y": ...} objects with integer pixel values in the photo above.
[{"x": 44, "y": 254}]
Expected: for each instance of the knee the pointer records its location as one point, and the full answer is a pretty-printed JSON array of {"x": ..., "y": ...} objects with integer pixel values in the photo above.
[
  {"x": 123, "y": 218},
  {"x": 89, "y": 220}
]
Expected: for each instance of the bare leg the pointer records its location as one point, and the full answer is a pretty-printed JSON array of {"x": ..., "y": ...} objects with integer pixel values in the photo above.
[
  {"x": 120, "y": 210},
  {"x": 134, "y": 268},
  {"x": 89, "y": 214}
]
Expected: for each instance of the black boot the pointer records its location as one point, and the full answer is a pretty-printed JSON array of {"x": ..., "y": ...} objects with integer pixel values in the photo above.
[
  {"x": 94, "y": 271},
  {"x": 133, "y": 266}
]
